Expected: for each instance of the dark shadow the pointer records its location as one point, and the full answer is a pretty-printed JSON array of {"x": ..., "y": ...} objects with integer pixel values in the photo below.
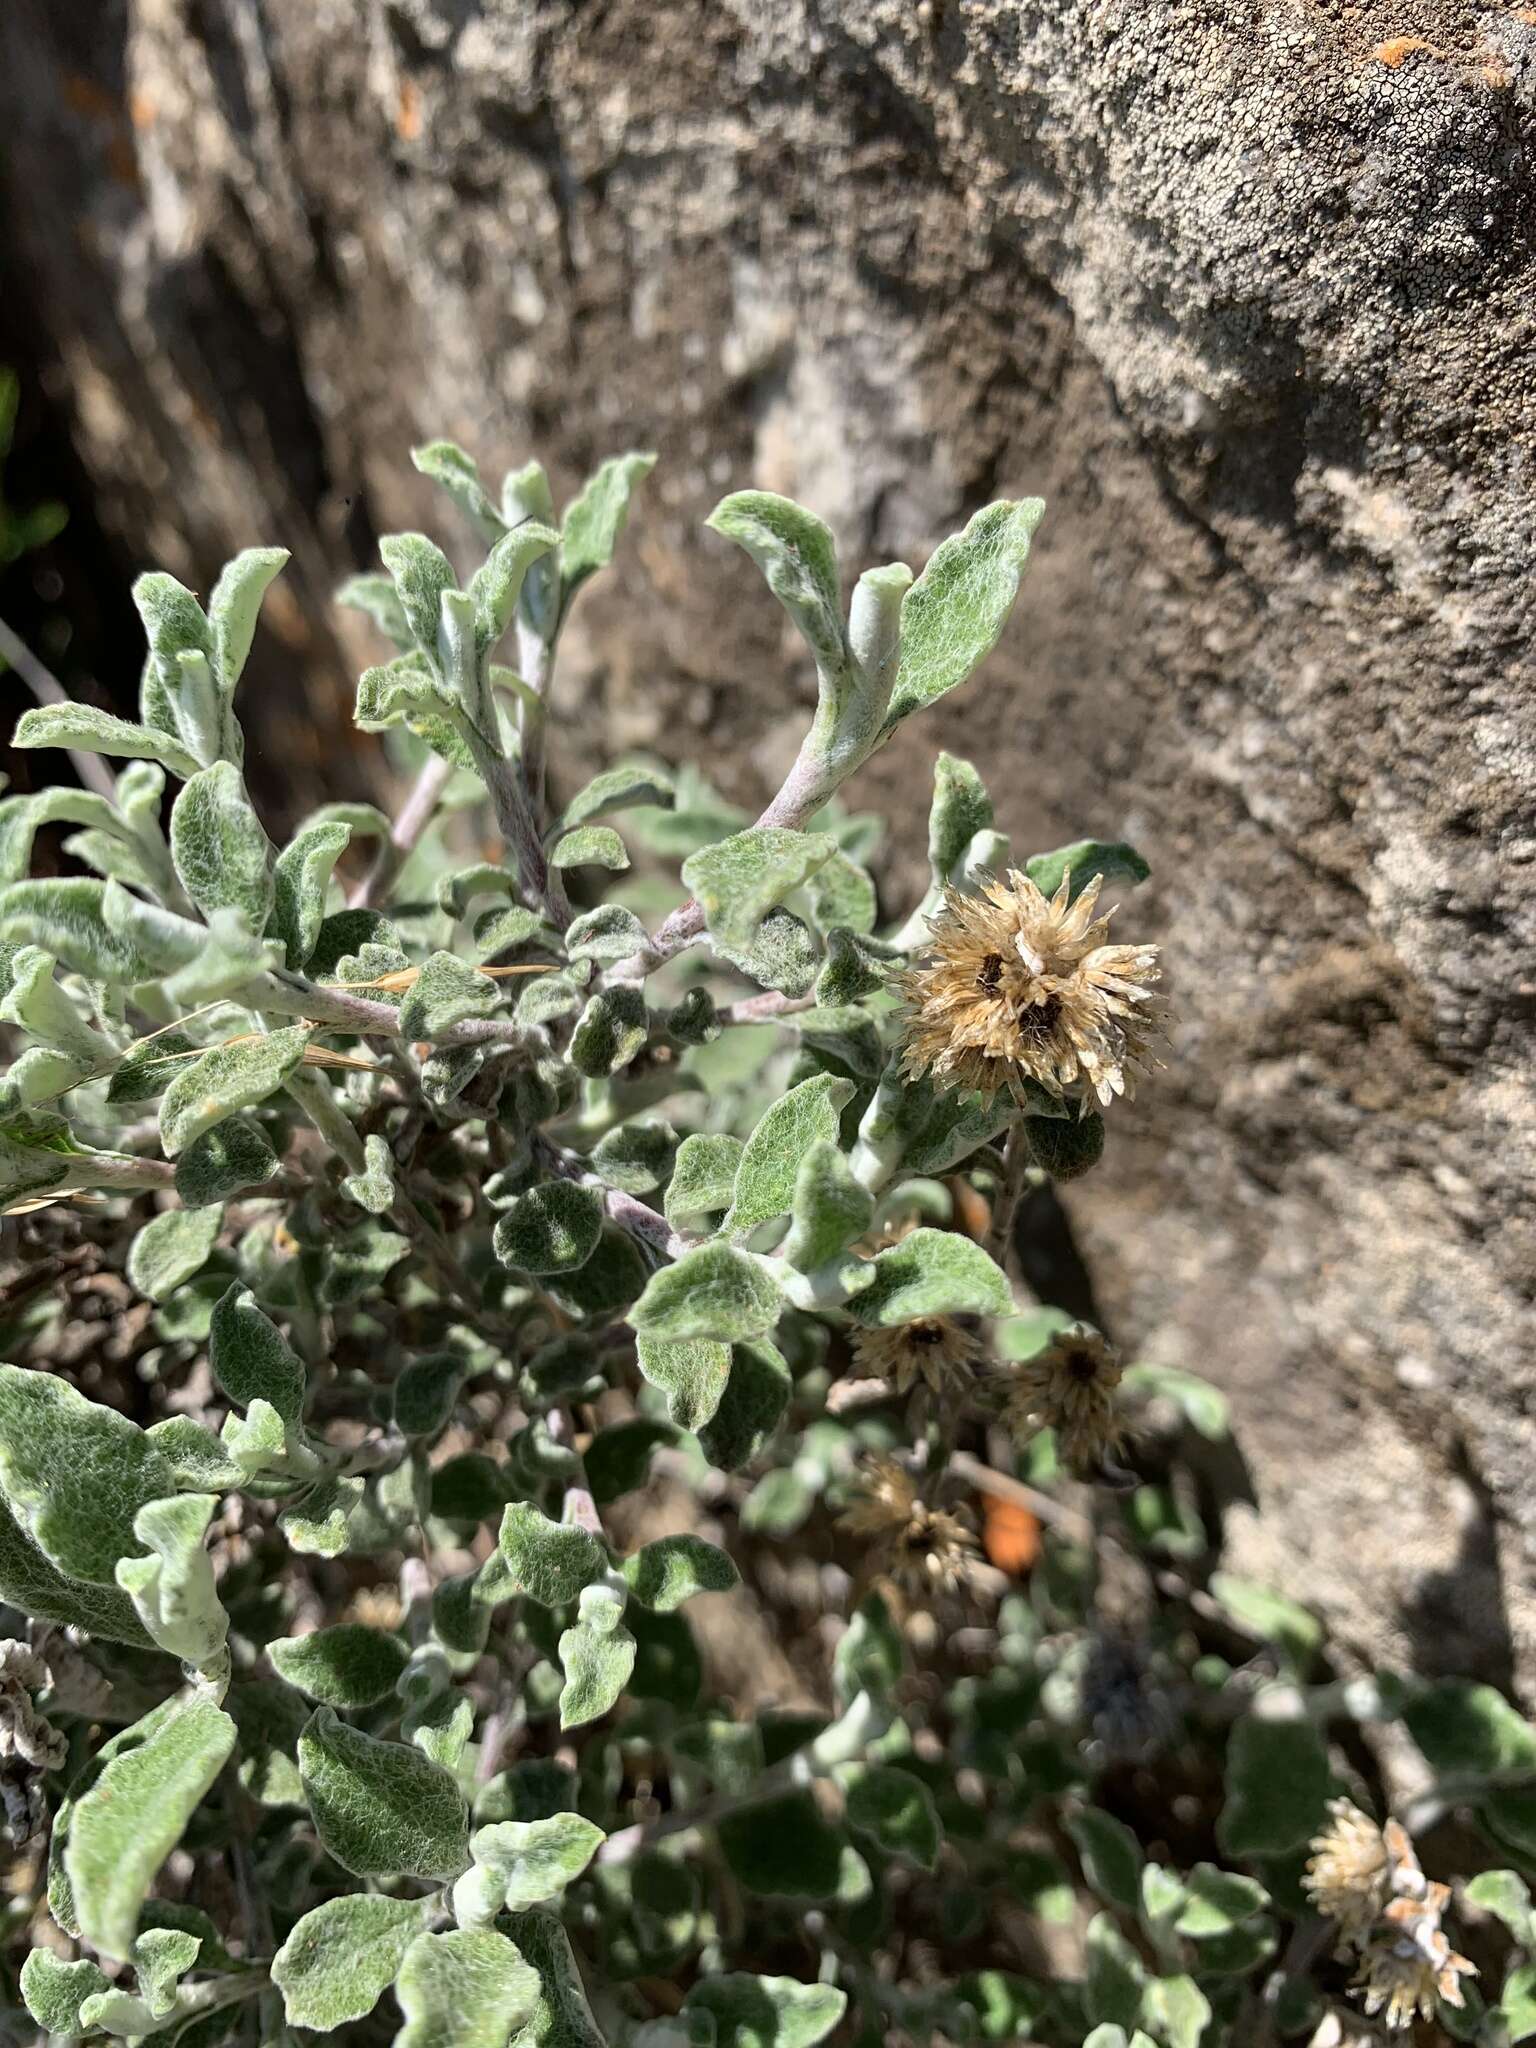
[
  {"x": 1049, "y": 1259},
  {"x": 1457, "y": 1619}
]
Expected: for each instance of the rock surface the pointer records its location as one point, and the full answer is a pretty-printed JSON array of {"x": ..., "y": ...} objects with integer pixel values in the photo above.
[{"x": 1249, "y": 295}]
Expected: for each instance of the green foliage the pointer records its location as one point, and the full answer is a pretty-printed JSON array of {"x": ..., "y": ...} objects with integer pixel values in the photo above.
[{"x": 503, "y": 1274}]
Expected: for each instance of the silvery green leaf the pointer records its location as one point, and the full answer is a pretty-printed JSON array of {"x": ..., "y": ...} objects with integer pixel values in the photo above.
[
  {"x": 590, "y": 846},
  {"x": 134, "y": 1814},
  {"x": 604, "y": 1287},
  {"x": 754, "y": 2012},
  {"x": 235, "y": 604},
  {"x": 765, "y": 1180},
  {"x": 458, "y": 890},
  {"x": 374, "y": 1188},
  {"x": 357, "y": 1261},
  {"x": 67, "y": 917},
  {"x": 798, "y": 559},
  {"x": 445, "y": 1075},
  {"x": 201, "y": 1462},
  {"x": 739, "y": 880},
  {"x": 527, "y": 1863},
  {"x": 30, "y": 1581},
  {"x": 230, "y": 959},
  {"x": 663, "y": 1574},
  {"x": 952, "y": 615},
  {"x": 173, "y": 1588},
  {"x": 97, "y": 732},
  {"x": 459, "y": 475},
  {"x": 347, "y": 1666},
  {"x": 226, "y": 1080},
  {"x": 782, "y": 954},
  {"x": 41, "y": 1076},
  {"x": 36, "y": 1003},
  {"x": 1176, "y": 2010},
  {"x": 1083, "y": 860},
  {"x": 932, "y": 1273},
  {"x": 54, "y": 1991},
  {"x": 444, "y": 993},
  {"x": 961, "y": 808},
  {"x": 223, "y": 857},
  {"x": 694, "y": 1020},
  {"x": 1277, "y": 1785},
  {"x": 618, "y": 1458},
  {"x": 715, "y": 1291},
  {"x": 605, "y": 935},
  {"x": 342, "y": 1957},
  {"x": 1065, "y": 1147},
  {"x": 357, "y": 946},
  {"x": 258, "y": 1442},
  {"x": 426, "y": 1390},
  {"x": 691, "y": 1374},
  {"x": 171, "y": 1248},
  {"x": 75, "y": 1473},
  {"x": 612, "y": 1029},
  {"x": 845, "y": 1038},
  {"x": 422, "y": 573},
  {"x": 548, "y": 1561},
  {"x": 562, "y": 2017},
  {"x": 829, "y": 1208},
  {"x": 594, "y": 520},
  {"x": 842, "y": 894},
  {"x": 619, "y": 789},
  {"x": 300, "y": 879},
  {"x": 37, "y": 1152},
  {"x": 22, "y": 817},
  {"x": 704, "y": 1178},
  {"x": 320, "y": 1526},
  {"x": 553, "y": 1228},
  {"x": 597, "y": 1656},
  {"x": 406, "y": 690},
  {"x": 225, "y": 1161},
  {"x": 252, "y": 1361},
  {"x": 1215, "y": 1901},
  {"x": 1111, "y": 1856},
  {"x": 637, "y": 1156},
  {"x": 498, "y": 583},
  {"x": 377, "y": 597},
  {"x": 120, "y": 860},
  {"x": 459, "y": 659},
  {"x": 468, "y": 1988},
  {"x": 1503, "y": 1893},
  {"x": 441, "y": 1727},
  {"x": 751, "y": 1407},
  {"x": 1114, "y": 1975},
  {"x": 380, "y": 1808}
]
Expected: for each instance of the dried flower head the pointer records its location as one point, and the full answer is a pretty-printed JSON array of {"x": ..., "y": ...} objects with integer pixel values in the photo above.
[
  {"x": 1346, "y": 1877},
  {"x": 29, "y": 1744},
  {"x": 935, "y": 1349},
  {"x": 1410, "y": 1963},
  {"x": 920, "y": 1549},
  {"x": 1020, "y": 987},
  {"x": 1069, "y": 1387}
]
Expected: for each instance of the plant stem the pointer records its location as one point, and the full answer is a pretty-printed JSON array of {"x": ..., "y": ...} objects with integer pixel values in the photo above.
[
  {"x": 987, "y": 1480},
  {"x": 1017, "y": 1160},
  {"x": 540, "y": 886},
  {"x": 412, "y": 819},
  {"x": 47, "y": 689}
]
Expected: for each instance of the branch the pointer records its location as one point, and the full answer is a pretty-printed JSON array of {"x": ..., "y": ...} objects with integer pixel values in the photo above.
[
  {"x": 412, "y": 819},
  {"x": 47, "y": 689}
]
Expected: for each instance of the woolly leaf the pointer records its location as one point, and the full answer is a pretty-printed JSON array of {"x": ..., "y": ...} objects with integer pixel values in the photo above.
[
  {"x": 320, "y": 1526},
  {"x": 751, "y": 1407},
  {"x": 784, "y": 1848},
  {"x": 798, "y": 559},
  {"x": 549, "y": 1561},
  {"x": 597, "y": 1655},
  {"x": 300, "y": 879},
  {"x": 765, "y": 1180},
  {"x": 715, "y": 1292},
  {"x": 704, "y": 1177},
  {"x": 425, "y": 1392},
  {"x": 1470, "y": 1731},
  {"x": 252, "y": 1360},
  {"x": 1177, "y": 2011},
  {"x": 663, "y": 1574},
  {"x": 459, "y": 475},
  {"x": 828, "y": 1207},
  {"x": 618, "y": 789},
  {"x": 1271, "y": 1618},
  {"x": 1082, "y": 861},
  {"x": 1217, "y": 1901},
  {"x": 553, "y": 1228},
  {"x": 612, "y": 1029},
  {"x": 54, "y": 1991},
  {"x": 75, "y": 1473},
  {"x": 223, "y": 857},
  {"x": 691, "y": 1374},
  {"x": 498, "y": 584},
  {"x": 932, "y": 1273},
  {"x": 348, "y": 1666},
  {"x": 961, "y": 808},
  {"x": 469, "y": 1988},
  {"x": 171, "y": 1248},
  {"x": 91, "y": 731},
  {"x": 953, "y": 613},
  {"x": 595, "y": 519},
  {"x": 842, "y": 895},
  {"x": 562, "y": 2017},
  {"x": 340, "y": 1959},
  {"x": 30, "y": 1581},
  {"x": 374, "y": 1188},
  {"x": 445, "y": 993},
  {"x": 590, "y": 846},
  {"x": 68, "y": 916},
  {"x": 127, "y": 1823},
  {"x": 146, "y": 1068},
  {"x": 380, "y": 1808},
  {"x": 1277, "y": 1783},
  {"x": 739, "y": 880},
  {"x": 173, "y": 1588},
  {"x": 1114, "y": 1975},
  {"x": 235, "y": 604},
  {"x": 636, "y": 1157},
  {"x": 604, "y": 1287},
  {"x": 1111, "y": 1856},
  {"x": 233, "y": 1156},
  {"x": 618, "y": 1459},
  {"x": 422, "y": 573},
  {"x": 767, "y": 2012},
  {"x": 226, "y": 1080},
  {"x": 605, "y": 935},
  {"x": 895, "y": 1810},
  {"x": 518, "y": 1864}
]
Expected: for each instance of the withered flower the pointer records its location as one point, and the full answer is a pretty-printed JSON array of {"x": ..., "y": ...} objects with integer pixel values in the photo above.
[
  {"x": 1346, "y": 1878},
  {"x": 1409, "y": 1963},
  {"x": 1069, "y": 1387},
  {"x": 922, "y": 1550},
  {"x": 1020, "y": 987},
  {"x": 29, "y": 1743},
  {"x": 935, "y": 1349}
]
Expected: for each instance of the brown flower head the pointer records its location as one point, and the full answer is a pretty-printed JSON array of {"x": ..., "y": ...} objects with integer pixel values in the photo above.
[
  {"x": 1346, "y": 1877},
  {"x": 935, "y": 1349},
  {"x": 922, "y": 1550},
  {"x": 29, "y": 1743},
  {"x": 1410, "y": 1963},
  {"x": 1068, "y": 1387},
  {"x": 1020, "y": 987}
]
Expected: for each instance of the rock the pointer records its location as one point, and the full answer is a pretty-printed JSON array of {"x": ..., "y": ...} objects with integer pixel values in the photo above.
[{"x": 1247, "y": 295}]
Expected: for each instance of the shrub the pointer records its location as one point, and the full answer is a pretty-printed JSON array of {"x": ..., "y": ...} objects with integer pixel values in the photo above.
[{"x": 525, "y": 1259}]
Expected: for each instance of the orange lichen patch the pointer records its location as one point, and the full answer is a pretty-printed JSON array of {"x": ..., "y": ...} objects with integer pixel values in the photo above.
[
  {"x": 1397, "y": 49},
  {"x": 408, "y": 111},
  {"x": 1010, "y": 1535}
]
